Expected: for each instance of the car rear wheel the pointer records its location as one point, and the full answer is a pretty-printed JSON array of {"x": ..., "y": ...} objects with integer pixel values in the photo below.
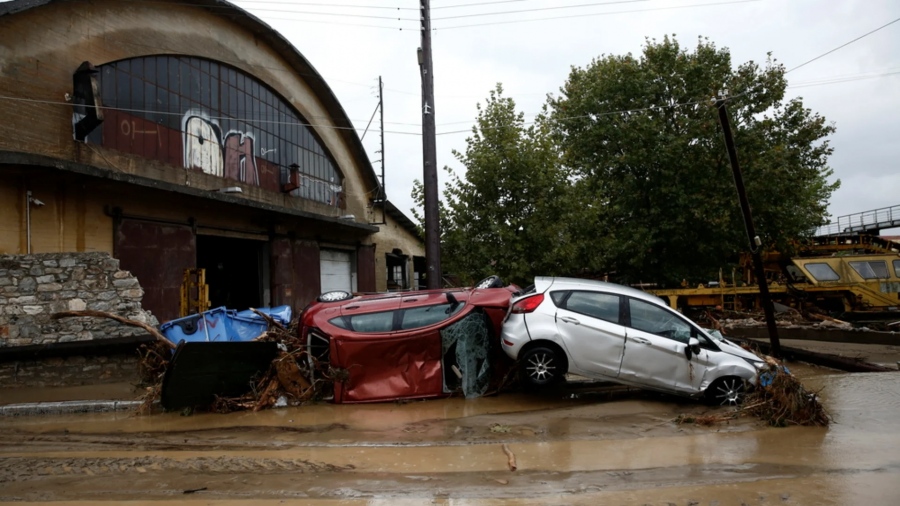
[
  {"x": 542, "y": 366},
  {"x": 727, "y": 391}
]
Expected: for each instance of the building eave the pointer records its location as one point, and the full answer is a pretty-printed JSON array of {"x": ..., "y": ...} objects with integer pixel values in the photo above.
[{"x": 30, "y": 159}]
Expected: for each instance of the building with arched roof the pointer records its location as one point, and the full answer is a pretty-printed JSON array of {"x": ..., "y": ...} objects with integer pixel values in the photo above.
[{"x": 183, "y": 134}]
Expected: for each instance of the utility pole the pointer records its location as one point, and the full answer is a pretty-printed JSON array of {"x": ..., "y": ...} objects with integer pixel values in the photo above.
[
  {"x": 382, "y": 196},
  {"x": 429, "y": 154},
  {"x": 755, "y": 243},
  {"x": 380, "y": 199}
]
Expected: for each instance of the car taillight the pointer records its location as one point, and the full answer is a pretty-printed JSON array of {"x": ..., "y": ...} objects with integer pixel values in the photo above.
[{"x": 528, "y": 304}]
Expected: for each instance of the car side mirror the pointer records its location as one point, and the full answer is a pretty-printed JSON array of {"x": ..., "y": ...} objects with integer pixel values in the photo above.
[{"x": 692, "y": 348}]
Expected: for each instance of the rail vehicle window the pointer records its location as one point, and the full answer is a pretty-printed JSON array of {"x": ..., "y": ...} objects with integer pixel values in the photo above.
[
  {"x": 897, "y": 268},
  {"x": 871, "y": 270},
  {"x": 822, "y": 272}
]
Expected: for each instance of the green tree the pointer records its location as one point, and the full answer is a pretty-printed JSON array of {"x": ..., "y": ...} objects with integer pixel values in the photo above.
[
  {"x": 641, "y": 138},
  {"x": 506, "y": 214}
]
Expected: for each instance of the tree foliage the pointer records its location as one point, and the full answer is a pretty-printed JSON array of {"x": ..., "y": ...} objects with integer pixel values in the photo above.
[
  {"x": 642, "y": 138},
  {"x": 626, "y": 171},
  {"x": 504, "y": 215}
]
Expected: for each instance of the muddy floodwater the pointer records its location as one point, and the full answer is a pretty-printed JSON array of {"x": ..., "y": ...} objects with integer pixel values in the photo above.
[{"x": 578, "y": 445}]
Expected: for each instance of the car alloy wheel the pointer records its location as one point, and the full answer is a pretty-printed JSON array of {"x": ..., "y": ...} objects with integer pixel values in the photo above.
[
  {"x": 728, "y": 391},
  {"x": 335, "y": 296},
  {"x": 489, "y": 282},
  {"x": 541, "y": 366}
]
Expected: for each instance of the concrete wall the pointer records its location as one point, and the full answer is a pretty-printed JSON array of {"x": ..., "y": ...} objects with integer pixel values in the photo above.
[{"x": 33, "y": 287}]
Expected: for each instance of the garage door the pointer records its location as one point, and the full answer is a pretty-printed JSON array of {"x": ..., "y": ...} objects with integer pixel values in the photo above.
[{"x": 336, "y": 270}]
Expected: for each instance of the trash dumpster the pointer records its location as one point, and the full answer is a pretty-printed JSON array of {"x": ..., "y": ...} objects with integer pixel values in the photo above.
[{"x": 222, "y": 324}]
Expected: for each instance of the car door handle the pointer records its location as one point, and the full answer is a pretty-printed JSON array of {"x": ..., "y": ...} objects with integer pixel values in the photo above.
[
  {"x": 640, "y": 340},
  {"x": 569, "y": 319}
]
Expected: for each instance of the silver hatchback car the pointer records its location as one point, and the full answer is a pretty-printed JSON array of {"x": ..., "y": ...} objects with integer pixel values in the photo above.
[{"x": 612, "y": 332}]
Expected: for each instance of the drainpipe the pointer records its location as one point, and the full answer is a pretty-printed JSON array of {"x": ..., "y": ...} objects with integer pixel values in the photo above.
[
  {"x": 28, "y": 221},
  {"x": 29, "y": 201}
]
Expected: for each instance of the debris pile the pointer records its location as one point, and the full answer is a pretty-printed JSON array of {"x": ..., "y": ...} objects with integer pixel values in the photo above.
[
  {"x": 781, "y": 400},
  {"x": 720, "y": 319},
  {"x": 294, "y": 377}
]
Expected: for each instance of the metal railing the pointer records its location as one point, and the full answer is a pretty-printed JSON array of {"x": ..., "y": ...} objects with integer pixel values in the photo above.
[{"x": 866, "y": 221}]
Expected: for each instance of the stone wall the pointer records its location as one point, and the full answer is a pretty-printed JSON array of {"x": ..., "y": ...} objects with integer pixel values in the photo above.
[
  {"x": 69, "y": 371},
  {"x": 33, "y": 287}
]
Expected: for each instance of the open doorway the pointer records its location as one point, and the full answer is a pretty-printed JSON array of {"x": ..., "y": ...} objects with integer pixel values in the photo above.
[{"x": 234, "y": 271}]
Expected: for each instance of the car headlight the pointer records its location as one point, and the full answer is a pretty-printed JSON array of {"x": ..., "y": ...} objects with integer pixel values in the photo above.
[{"x": 760, "y": 365}]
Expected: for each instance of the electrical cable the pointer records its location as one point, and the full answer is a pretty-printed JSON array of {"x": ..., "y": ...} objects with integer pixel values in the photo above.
[
  {"x": 843, "y": 45},
  {"x": 314, "y": 4},
  {"x": 319, "y": 4},
  {"x": 476, "y": 4},
  {"x": 820, "y": 82},
  {"x": 846, "y": 79},
  {"x": 538, "y": 9},
  {"x": 312, "y": 13},
  {"x": 227, "y": 118},
  {"x": 710, "y": 4}
]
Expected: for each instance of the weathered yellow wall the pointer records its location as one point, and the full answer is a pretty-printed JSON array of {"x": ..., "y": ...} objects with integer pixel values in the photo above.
[
  {"x": 11, "y": 199},
  {"x": 391, "y": 236},
  {"x": 70, "y": 219}
]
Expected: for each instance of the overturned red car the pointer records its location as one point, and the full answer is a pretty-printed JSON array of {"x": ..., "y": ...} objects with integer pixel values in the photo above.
[{"x": 410, "y": 345}]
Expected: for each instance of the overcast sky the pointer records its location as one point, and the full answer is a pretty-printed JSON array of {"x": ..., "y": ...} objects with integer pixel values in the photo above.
[{"x": 478, "y": 44}]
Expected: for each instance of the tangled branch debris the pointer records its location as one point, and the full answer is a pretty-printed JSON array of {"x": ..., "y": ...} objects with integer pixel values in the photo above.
[
  {"x": 779, "y": 400},
  {"x": 295, "y": 377},
  {"x": 103, "y": 314},
  {"x": 784, "y": 401}
]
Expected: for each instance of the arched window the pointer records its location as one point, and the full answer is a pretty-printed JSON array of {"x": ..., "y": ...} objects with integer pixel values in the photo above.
[{"x": 204, "y": 115}]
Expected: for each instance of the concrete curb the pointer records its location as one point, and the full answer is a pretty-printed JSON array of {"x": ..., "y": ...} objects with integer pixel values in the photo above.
[{"x": 67, "y": 407}]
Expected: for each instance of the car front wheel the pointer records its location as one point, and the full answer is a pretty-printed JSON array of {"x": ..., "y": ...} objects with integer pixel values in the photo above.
[
  {"x": 542, "y": 366},
  {"x": 727, "y": 391}
]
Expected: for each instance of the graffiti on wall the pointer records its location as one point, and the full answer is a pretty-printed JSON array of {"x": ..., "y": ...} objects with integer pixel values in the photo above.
[{"x": 206, "y": 148}]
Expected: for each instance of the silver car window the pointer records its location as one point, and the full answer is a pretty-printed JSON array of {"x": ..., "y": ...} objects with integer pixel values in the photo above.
[
  {"x": 604, "y": 306},
  {"x": 373, "y": 322},
  {"x": 656, "y": 320}
]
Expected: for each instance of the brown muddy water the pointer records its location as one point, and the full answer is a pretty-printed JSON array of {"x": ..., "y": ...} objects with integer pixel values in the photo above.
[{"x": 579, "y": 445}]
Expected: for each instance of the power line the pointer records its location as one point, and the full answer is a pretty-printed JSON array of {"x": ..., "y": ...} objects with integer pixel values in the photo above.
[
  {"x": 820, "y": 82},
  {"x": 338, "y": 14},
  {"x": 711, "y": 4},
  {"x": 479, "y": 4},
  {"x": 537, "y": 9},
  {"x": 228, "y": 118},
  {"x": 253, "y": 9},
  {"x": 843, "y": 45},
  {"x": 382, "y": 7},
  {"x": 845, "y": 79},
  {"x": 319, "y": 4}
]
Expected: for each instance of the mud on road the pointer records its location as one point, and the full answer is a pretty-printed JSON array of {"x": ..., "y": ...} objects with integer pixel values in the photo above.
[{"x": 576, "y": 445}]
